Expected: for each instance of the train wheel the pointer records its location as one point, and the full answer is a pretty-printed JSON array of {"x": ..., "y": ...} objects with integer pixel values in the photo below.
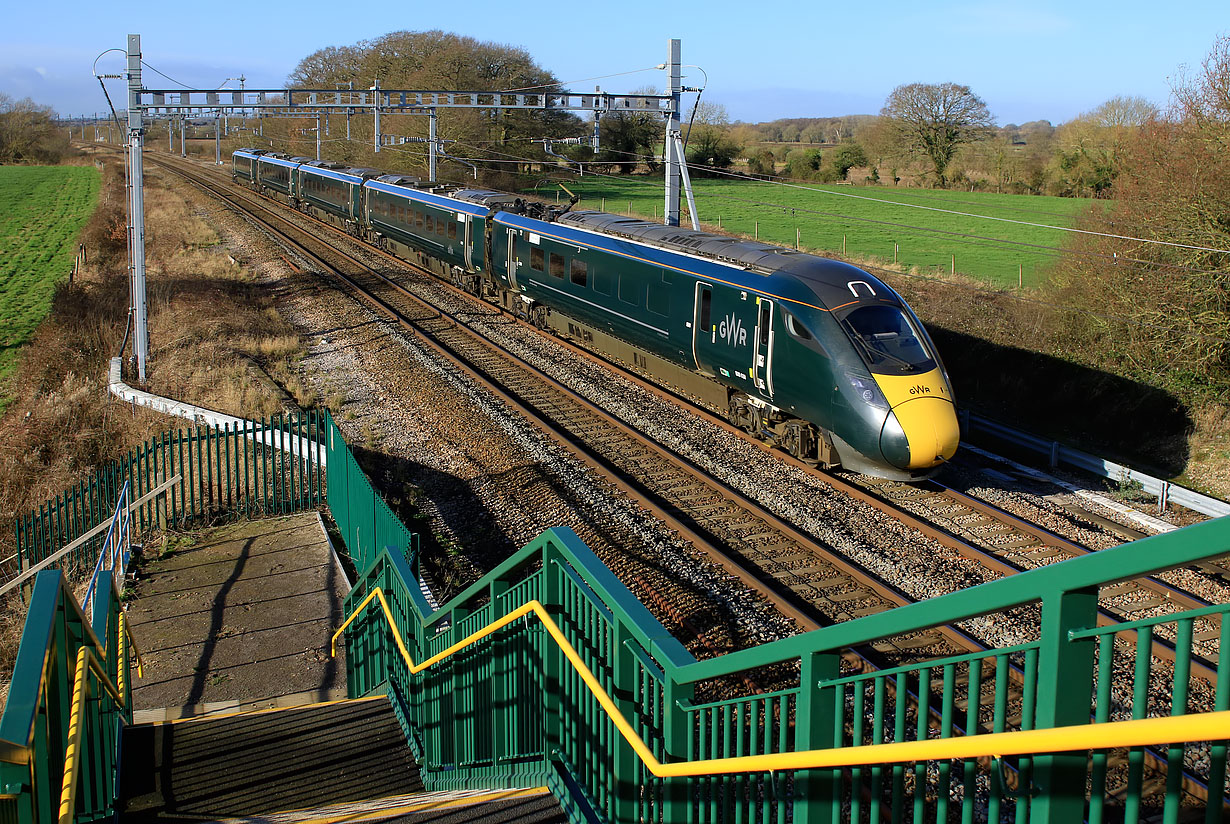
[
  {"x": 799, "y": 439},
  {"x": 745, "y": 416}
]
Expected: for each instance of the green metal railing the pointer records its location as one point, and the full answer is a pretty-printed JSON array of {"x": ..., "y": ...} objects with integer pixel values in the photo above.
[
  {"x": 265, "y": 467},
  {"x": 364, "y": 519},
  {"x": 70, "y": 696},
  {"x": 512, "y": 709},
  {"x": 269, "y": 467},
  {"x": 275, "y": 466}
]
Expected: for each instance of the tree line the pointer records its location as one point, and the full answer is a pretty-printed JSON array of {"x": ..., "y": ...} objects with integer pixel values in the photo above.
[
  {"x": 28, "y": 133},
  {"x": 926, "y": 134}
]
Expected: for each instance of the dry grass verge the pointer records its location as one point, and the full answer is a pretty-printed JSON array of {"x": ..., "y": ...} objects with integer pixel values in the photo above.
[{"x": 216, "y": 339}]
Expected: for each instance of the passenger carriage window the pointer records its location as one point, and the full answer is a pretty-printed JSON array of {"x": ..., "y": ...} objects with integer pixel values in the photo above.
[
  {"x": 440, "y": 226},
  {"x": 658, "y": 300},
  {"x": 430, "y": 223},
  {"x": 536, "y": 259},
  {"x": 452, "y": 230},
  {"x": 580, "y": 272},
  {"x": 557, "y": 265},
  {"x": 418, "y": 219}
]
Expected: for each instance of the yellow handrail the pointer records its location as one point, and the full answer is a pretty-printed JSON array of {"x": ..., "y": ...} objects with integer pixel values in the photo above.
[
  {"x": 1209, "y": 726},
  {"x": 126, "y": 630},
  {"x": 86, "y": 660}
]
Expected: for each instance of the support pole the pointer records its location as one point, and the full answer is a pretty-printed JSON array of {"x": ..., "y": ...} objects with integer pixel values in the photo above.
[
  {"x": 217, "y": 142},
  {"x": 136, "y": 218},
  {"x": 687, "y": 184},
  {"x": 318, "y": 135},
  {"x": 433, "y": 148},
  {"x": 183, "y": 133},
  {"x": 376, "y": 111},
  {"x": 671, "y": 210}
]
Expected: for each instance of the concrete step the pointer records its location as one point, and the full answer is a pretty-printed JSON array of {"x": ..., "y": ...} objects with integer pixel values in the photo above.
[{"x": 256, "y": 763}]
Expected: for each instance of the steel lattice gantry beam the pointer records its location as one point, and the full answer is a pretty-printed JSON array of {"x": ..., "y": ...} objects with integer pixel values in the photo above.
[
  {"x": 145, "y": 105},
  {"x": 157, "y": 102}
]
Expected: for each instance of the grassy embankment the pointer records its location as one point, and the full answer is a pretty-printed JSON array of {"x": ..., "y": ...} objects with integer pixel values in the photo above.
[
  {"x": 216, "y": 336},
  {"x": 858, "y": 216},
  {"x": 42, "y": 210}
]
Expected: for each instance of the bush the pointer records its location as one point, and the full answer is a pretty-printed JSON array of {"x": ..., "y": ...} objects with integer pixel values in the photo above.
[
  {"x": 762, "y": 162},
  {"x": 803, "y": 163},
  {"x": 844, "y": 158}
]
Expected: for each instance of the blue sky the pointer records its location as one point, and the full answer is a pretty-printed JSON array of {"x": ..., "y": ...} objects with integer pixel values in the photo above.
[{"x": 1027, "y": 60}]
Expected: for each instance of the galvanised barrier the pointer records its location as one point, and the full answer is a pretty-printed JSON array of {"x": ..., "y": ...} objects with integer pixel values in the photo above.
[{"x": 549, "y": 671}]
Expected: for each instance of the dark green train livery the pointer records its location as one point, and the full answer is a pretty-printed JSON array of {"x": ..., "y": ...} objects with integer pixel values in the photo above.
[{"x": 817, "y": 356}]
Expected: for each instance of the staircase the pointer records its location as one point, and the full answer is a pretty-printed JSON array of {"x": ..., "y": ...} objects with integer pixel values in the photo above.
[{"x": 321, "y": 762}]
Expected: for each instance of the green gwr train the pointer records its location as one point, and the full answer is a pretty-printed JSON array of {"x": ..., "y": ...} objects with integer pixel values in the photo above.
[{"x": 817, "y": 356}]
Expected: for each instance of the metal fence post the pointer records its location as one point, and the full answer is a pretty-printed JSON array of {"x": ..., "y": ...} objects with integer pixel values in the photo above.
[
  {"x": 815, "y": 726},
  {"x": 552, "y": 720},
  {"x": 1065, "y": 678},
  {"x": 677, "y": 731},
  {"x": 627, "y": 772}
]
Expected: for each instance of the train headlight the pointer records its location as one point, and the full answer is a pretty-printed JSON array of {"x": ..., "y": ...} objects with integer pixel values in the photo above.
[{"x": 866, "y": 389}]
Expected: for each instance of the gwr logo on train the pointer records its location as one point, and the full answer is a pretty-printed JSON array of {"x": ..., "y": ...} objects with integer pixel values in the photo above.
[
  {"x": 920, "y": 390},
  {"x": 731, "y": 330}
]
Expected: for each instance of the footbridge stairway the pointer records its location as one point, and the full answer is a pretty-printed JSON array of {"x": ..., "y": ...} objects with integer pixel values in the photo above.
[{"x": 548, "y": 673}]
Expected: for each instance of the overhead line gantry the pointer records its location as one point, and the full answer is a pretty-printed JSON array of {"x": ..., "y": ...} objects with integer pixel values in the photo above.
[{"x": 148, "y": 104}]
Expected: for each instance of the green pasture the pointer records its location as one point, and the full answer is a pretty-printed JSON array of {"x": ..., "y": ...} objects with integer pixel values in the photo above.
[
  {"x": 42, "y": 209},
  {"x": 988, "y": 234}
]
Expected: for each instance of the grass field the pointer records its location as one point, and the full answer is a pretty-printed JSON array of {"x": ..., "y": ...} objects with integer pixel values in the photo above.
[
  {"x": 874, "y": 222},
  {"x": 42, "y": 208}
]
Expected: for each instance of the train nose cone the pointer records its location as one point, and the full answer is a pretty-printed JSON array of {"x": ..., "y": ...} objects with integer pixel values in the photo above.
[{"x": 928, "y": 427}]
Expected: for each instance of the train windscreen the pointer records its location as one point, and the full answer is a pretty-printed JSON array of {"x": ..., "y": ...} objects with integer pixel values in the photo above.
[{"x": 886, "y": 337}]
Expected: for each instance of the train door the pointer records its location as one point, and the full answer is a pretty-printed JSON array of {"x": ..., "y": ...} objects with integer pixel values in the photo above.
[
  {"x": 702, "y": 319},
  {"x": 512, "y": 258},
  {"x": 468, "y": 240},
  {"x": 762, "y": 368}
]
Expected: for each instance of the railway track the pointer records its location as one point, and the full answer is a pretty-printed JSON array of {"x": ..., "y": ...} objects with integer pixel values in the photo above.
[{"x": 802, "y": 578}]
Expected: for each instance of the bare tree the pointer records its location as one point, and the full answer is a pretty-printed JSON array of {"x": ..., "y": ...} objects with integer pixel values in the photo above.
[
  {"x": 1123, "y": 113},
  {"x": 937, "y": 119},
  {"x": 1174, "y": 188},
  {"x": 28, "y": 133},
  {"x": 708, "y": 140}
]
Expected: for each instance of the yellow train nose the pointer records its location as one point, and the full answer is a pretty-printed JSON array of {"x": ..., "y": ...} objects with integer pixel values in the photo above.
[{"x": 931, "y": 430}]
